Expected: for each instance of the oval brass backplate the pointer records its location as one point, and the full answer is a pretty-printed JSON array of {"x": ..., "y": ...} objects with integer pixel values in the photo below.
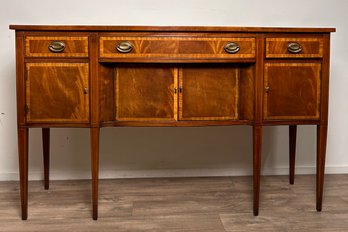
[
  {"x": 294, "y": 47},
  {"x": 56, "y": 46},
  {"x": 124, "y": 47},
  {"x": 232, "y": 48}
]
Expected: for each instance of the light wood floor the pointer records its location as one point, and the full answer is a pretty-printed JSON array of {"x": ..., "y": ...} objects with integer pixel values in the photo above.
[{"x": 179, "y": 204}]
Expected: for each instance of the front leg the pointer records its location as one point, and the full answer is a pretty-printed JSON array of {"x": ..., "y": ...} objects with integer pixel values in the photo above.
[
  {"x": 23, "y": 137},
  {"x": 46, "y": 155},
  {"x": 95, "y": 169},
  {"x": 292, "y": 152},
  {"x": 257, "y": 148},
  {"x": 321, "y": 154}
]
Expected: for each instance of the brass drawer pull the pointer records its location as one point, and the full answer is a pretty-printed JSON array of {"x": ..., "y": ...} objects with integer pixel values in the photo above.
[
  {"x": 232, "y": 48},
  {"x": 56, "y": 46},
  {"x": 124, "y": 47},
  {"x": 294, "y": 47}
]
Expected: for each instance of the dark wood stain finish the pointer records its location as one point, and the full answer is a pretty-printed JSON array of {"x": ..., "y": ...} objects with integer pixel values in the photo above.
[
  {"x": 292, "y": 91},
  {"x": 145, "y": 92},
  {"x": 176, "y": 47},
  {"x": 46, "y": 155},
  {"x": 208, "y": 92},
  {"x": 278, "y": 47},
  {"x": 37, "y": 46},
  {"x": 292, "y": 152},
  {"x": 173, "y": 76},
  {"x": 246, "y": 96},
  {"x": 57, "y": 92}
]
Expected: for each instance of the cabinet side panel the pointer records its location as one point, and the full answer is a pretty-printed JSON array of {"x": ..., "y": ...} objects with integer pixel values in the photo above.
[
  {"x": 247, "y": 91},
  {"x": 20, "y": 76},
  {"x": 106, "y": 76},
  {"x": 325, "y": 81}
]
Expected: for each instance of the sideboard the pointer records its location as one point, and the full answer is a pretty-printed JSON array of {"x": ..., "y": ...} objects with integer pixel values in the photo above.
[{"x": 110, "y": 76}]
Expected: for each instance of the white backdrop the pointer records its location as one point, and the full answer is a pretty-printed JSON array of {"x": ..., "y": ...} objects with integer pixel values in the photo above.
[{"x": 143, "y": 152}]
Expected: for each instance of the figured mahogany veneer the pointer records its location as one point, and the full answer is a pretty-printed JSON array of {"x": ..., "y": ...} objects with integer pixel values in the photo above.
[
  {"x": 312, "y": 47},
  {"x": 57, "y": 92},
  {"x": 292, "y": 90},
  {"x": 208, "y": 92},
  {"x": 183, "y": 46},
  {"x": 145, "y": 92},
  {"x": 75, "y": 46},
  {"x": 98, "y": 76}
]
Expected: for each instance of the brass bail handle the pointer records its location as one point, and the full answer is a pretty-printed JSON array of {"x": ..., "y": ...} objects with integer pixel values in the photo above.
[
  {"x": 124, "y": 47},
  {"x": 232, "y": 48},
  {"x": 294, "y": 47},
  {"x": 56, "y": 46}
]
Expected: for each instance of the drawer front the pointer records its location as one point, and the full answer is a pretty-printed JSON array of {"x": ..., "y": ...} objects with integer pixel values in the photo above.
[
  {"x": 294, "y": 47},
  {"x": 176, "y": 47},
  {"x": 56, "y": 46}
]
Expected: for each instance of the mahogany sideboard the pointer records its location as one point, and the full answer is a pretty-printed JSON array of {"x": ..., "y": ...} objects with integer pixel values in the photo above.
[{"x": 109, "y": 76}]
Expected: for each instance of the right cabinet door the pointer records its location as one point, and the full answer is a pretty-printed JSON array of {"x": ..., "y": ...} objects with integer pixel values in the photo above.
[
  {"x": 292, "y": 91},
  {"x": 208, "y": 92}
]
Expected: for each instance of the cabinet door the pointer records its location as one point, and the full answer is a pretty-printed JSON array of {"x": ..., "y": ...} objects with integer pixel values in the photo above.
[
  {"x": 208, "y": 92},
  {"x": 145, "y": 92},
  {"x": 57, "y": 92},
  {"x": 292, "y": 91}
]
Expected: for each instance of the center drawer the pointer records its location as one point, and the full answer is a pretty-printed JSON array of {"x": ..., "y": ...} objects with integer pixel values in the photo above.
[{"x": 169, "y": 47}]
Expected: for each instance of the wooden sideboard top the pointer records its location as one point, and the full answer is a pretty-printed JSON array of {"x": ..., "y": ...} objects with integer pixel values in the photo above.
[{"x": 169, "y": 28}]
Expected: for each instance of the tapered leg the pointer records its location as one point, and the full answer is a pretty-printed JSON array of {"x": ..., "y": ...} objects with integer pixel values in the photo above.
[
  {"x": 321, "y": 153},
  {"x": 95, "y": 169},
  {"x": 46, "y": 155},
  {"x": 23, "y": 169},
  {"x": 292, "y": 152},
  {"x": 257, "y": 144}
]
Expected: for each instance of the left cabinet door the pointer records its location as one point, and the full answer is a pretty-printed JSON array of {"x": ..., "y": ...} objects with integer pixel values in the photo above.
[
  {"x": 146, "y": 92},
  {"x": 57, "y": 92}
]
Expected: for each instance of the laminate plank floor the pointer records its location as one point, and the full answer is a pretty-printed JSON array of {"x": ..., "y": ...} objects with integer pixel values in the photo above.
[{"x": 178, "y": 204}]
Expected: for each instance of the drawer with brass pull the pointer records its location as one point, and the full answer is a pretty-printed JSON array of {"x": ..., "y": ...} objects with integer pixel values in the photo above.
[
  {"x": 166, "y": 47},
  {"x": 311, "y": 47},
  {"x": 56, "y": 46}
]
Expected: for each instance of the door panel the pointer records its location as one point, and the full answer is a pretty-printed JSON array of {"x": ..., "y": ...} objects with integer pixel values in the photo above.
[
  {"x": 208, "y": 92},
  {"x": 57, "y": 92},
  {"x": 292, "y": 91},
  {"x": 146, "y": 92}
]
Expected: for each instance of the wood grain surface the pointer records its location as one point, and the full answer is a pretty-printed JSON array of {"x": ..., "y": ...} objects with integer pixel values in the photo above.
[
  {"x": 173, "y": 76},
  {"x": 176, "y": 47},
  {"x": 170, "y": 28},
  {"x": 214, "y": 204},
  {"x": 208, "y": 92},
  {"x": 75, "y": 46},
  {"x": 56, "y": 92},
  {"x": 294, "y": 90},
  {"x": 146, "y": 92},
  {"x": 278, "y": 47}
]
